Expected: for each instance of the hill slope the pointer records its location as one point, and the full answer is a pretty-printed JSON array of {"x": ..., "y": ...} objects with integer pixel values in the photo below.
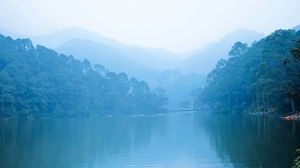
[
  {"x": 68, "y": 39},
  {"x": 204, "y": 61},
  {"x": 37, "y": 81}
]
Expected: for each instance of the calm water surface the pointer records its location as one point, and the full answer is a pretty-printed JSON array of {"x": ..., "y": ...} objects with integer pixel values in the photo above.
[{"x": 174, "y": 140}]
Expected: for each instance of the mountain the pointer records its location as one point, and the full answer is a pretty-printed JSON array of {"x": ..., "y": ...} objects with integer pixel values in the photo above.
[
  {"x": 100, "y": 53},
  {"x": 69, "y": 39},
  {"x": 204, "y": 61},
  {"x": 297, "y": 28},
  {"x": 6, "y": 32},
  {"x": 130, "y": 60},
  {"x": 151, "y": 65},
  {"x": 156, "y": 66},
  {"x": 121, "y": 58},
  {"x": 59, "y": 37}
]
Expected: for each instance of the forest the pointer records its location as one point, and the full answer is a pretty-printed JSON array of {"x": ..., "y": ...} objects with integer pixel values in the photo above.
[
  {"x": 39, "y": 82},
  {"x": 262, "y": 77}
]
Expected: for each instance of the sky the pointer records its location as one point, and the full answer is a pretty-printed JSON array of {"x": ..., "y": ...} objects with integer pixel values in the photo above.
[{"x": 176, "y": 25}]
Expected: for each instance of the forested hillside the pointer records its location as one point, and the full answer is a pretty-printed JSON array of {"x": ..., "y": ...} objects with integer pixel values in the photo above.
[
  {"x": 36, "y": 81},
  {"x": 263, "y": 77}
]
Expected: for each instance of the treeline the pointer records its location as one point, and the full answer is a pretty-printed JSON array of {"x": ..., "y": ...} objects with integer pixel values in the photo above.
[
  {"x": 263, "y": 77},
  {"x": 36, "y": 81}
]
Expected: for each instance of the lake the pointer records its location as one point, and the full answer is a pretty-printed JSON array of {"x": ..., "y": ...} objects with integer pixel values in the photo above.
[{"x": 173, "y": 140}]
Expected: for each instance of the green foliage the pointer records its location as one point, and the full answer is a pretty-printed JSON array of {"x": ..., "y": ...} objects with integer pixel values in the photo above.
[
  {"x": 296, "y": 162},
  {"x": 255, "y": 78},
  {"x": 292, "y": 66},
  {"x": 36, "y": 81}
]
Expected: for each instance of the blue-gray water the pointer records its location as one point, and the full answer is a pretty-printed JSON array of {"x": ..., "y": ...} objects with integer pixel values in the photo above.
[{"x": 174, "y": 140}]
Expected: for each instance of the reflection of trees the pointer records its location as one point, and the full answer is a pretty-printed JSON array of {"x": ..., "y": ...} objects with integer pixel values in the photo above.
[
  {"x": 253, "y": 141},
  {"x": 64, "y": 142}
]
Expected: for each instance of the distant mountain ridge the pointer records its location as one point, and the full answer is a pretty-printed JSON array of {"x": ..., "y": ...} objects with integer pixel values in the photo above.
[
  {"x": 204, "y": 61},
  {"x": 59, "y": 37},
  {"x": 109, "y": 56},
  {"x": 297, "y": 28},
  {"x": 152, "y": 65},
  {"x": 177, "y": 86},
  {"x": 6, "y": 32},
  {"x": 69, "y": 38},
  {"x": 158, "y": 67}
]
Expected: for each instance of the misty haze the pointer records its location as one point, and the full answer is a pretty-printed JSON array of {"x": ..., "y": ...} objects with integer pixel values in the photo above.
[{"x": 136, "y": 83}]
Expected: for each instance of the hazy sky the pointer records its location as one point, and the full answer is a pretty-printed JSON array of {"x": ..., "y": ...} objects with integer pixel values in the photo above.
[{"x": 178, "y": 25}]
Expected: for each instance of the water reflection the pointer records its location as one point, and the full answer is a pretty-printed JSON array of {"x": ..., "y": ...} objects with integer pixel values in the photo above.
[
  {"x": 177, "y": 140},
  {"x": 72, "y": 142},
  {"x": 253, "y": 141}
]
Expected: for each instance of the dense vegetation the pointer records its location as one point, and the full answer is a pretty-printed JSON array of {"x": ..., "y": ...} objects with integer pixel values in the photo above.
[
  {"x": 36, "y": 81},
  {"x": 296, "y": 162},
  {"x": 264, "y": 77}
]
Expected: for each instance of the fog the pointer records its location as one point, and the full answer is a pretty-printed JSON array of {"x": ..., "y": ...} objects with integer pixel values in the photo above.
[
  {"x": 169, "y": 44},
  {"x": 149, "y": 83},
  {"x": 176, "y": 25}
]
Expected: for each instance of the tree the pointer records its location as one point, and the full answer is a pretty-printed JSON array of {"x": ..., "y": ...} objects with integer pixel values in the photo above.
[
  {"x": 37, "y": 81},
  {"x": 254, "y": 78},
  {"x": 292, "y": 66}
]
